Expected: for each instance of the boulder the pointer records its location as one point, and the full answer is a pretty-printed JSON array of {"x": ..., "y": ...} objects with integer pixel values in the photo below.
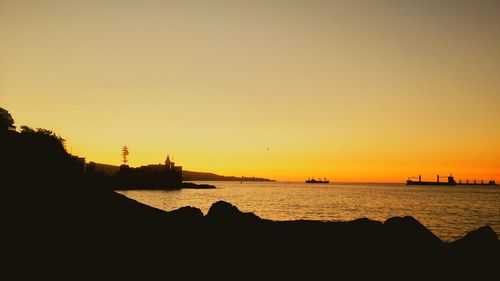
[
  {"x": 222, "y": 211},
  {"x": 185, "y": 214},
  {"x": 410, "y": 232},
  {"x": 481, "y": 239}
]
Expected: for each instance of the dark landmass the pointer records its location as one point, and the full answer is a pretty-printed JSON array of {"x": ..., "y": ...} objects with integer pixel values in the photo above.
[
  {"x": 59, "y": 223},
  {"x": 190, "y": 185},
  {"x": 202, "y": 176},
  {"x": 94, "y": 231},
  {"x": 186, "y": 175},
  {"x": 106, "y": 169},
  {"x": 184, "y": 185},
  {"x": 150, "y": 177}
]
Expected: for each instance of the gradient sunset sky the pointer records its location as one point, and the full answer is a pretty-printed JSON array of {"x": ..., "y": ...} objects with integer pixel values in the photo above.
[{"x": 348, "y": 90}]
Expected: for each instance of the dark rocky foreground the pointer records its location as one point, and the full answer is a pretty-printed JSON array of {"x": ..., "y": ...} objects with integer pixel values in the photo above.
[
  {"x": 97, "y": 233},
  {"x": 60, "y": 223}
]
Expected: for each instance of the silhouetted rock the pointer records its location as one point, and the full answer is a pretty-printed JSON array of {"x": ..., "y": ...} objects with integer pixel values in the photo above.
[
  {"x": 57, "y": 220},
  {"x": 479, "y": 240},
  {"x": 364, "y": 229},
  {"x": 185, "y": 214},
  {"x": 222, "y": 211},
  {"x": 408, "y": 235}
]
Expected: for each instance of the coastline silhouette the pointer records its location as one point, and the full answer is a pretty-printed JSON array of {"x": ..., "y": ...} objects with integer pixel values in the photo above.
[{"x": 63, "y": 219}]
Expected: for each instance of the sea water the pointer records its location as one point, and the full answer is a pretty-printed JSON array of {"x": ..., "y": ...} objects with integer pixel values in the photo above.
[{"x": 448, "y": 211}]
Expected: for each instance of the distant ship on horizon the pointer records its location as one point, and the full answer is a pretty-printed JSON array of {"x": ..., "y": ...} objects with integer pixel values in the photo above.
[
  {"x": 312, "y": 180},
  {"x": 451, "y": 181}
]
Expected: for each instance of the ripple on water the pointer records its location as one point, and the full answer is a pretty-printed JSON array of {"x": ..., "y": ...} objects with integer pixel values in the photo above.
[{"x": 450, "y": 212}]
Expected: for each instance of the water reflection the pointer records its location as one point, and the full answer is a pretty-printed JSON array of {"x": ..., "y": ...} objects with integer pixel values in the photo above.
[{"x": 449, "y": 212}]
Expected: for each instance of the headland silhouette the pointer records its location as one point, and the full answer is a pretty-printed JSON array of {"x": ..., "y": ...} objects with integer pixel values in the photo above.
[{"x": 62, "y": 221}]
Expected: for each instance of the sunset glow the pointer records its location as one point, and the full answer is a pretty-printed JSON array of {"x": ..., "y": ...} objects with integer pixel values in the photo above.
[{"x": 346, "y": 90}]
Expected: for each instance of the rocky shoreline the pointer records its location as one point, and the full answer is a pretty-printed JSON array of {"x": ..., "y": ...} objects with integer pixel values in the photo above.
[
  {"x": 60, "y": 223},
  {"x": 89, "y": 228}
]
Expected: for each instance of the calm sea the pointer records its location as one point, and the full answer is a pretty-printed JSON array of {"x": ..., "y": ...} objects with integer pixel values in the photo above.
[{"x": 449, "y": 212}]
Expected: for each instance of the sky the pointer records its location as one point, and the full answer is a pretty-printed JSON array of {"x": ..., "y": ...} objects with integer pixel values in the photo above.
[{"x": 347, "y": 90}]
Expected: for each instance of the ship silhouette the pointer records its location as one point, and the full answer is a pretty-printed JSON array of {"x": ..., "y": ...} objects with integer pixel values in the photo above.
[
  {"x": 312, "y": 180},
  {"x": 451, "y": 181}
]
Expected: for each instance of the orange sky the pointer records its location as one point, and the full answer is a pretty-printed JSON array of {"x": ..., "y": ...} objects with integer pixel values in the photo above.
[{"x": 349, "y": 90}]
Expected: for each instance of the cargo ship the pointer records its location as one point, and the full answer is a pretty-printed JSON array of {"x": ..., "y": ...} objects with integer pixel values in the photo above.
[
  {"x": 317, "y": 181},
  {"x": 451, "y": 181},
  {"x": 491, "y": 182}
]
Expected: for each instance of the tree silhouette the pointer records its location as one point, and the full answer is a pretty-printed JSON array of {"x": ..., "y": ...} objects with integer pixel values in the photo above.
[
  {"x": 6, "y": 120},
  {"x": 125, "y": 154},
  {"x": 43, "y": 133},
  {"x": 28, "y": 130}
]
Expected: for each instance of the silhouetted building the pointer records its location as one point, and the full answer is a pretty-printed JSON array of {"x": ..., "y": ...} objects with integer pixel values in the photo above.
[
  {"x": 150, "y": 176},
  {"x": 171, "y": 167},
  {"x": 169, "y": 163},
  {"x": 169, "y": 170},
  {"x": 177, "y": 170}
]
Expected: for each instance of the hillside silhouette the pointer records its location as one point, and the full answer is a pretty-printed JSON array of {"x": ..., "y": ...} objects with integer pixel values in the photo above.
[
  {"x": 61, "y": 222},
  {"x": 186, "y": 175}
]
